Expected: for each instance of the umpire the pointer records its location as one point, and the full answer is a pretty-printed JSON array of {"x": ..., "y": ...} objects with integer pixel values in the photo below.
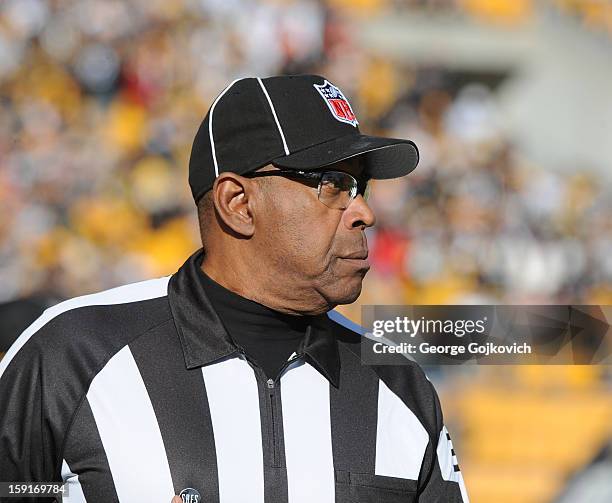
[{"x": 233, "y": 380}]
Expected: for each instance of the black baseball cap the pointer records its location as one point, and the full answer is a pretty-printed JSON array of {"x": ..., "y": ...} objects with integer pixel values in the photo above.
[{"x": 301, "y": 122}]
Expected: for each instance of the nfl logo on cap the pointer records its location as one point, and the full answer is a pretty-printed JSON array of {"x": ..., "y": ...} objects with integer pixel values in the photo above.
[{"x": 337, "y": 103}]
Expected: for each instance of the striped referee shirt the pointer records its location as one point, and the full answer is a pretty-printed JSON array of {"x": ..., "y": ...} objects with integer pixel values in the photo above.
[{"x": 136, "y": 393}]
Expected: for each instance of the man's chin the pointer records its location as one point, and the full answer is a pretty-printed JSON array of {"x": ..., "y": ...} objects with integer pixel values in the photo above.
[{"x": 350, "y": 290}]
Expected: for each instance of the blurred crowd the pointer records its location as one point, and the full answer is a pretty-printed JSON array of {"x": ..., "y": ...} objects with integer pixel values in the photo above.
[
  {"x": 100, "y": 100},
  {"x": 477, "y": 223},
  {"x": 594, "y": 15}
]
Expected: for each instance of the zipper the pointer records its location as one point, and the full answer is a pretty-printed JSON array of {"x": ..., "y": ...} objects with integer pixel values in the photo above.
[{"x": 271, "y": 386}]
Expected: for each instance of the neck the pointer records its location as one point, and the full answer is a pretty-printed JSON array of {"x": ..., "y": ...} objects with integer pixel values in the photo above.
[{"x": 271, "y": 289}]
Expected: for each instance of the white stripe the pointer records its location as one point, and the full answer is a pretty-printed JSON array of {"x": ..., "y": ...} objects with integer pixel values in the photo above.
[
  {"x": 401, "y": 439},
  {"x": 280, "y": 129},
  {"x": 129, "y": 431},
  {"x": 308, "y": 439},
  {"x": 73, "y": 486},
  {"x": 233, "y": 401},
  {"x": 133, "y": 292},
  {"x": 446, "y": 460},
  {"x": 210, "y": 133}
]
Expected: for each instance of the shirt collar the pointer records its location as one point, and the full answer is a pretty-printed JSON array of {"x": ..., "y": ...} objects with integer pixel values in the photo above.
[{"x": 204, "y": 339}]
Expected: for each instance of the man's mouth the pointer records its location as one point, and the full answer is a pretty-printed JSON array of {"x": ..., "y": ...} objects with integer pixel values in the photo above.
[
  {"x": 359, "y": 259},
  {"x": 361, "y": 254}
]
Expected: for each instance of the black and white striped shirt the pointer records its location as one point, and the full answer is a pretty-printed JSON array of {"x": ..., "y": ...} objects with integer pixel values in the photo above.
[{"x": 136, "y": 393}]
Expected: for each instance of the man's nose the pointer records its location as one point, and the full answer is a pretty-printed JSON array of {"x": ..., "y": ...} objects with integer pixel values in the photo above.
[{"x": 359, "y": 214}]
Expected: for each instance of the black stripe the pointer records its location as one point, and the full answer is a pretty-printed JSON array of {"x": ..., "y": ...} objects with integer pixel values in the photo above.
[
  {"x": 448, "y": 436},
  {"x": 181, "y": 407},
  {"x": 353, "y": 410},
  {"x": 456, "y": 468},
  {"x": 86, "y": 457},
  {"x": 453, "y": 452}
]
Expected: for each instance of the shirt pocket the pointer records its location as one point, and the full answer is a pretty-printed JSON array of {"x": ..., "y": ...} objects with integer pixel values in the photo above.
[{"x": 354, "y": 487}]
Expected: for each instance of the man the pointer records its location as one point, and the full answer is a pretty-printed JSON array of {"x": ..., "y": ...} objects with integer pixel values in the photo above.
[{"x": 232, "y": 380}]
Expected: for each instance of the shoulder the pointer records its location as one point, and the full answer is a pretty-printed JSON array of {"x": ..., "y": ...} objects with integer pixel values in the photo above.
[
  {"x": 46, "y": 373},
  {"x": 353, "y": 338},
  {"x": 82, "y": 326},
  {"x": 403, "y": 377}
]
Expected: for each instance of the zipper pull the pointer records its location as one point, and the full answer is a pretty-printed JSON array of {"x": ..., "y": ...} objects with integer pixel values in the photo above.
[{"x": 270, "y": 383}]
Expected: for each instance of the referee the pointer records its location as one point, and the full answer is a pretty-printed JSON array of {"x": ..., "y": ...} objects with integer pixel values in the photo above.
[{"x": 233, "y": 380}]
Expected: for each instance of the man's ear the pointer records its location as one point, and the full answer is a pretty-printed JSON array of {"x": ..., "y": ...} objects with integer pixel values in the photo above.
[{"x": 232, "y": 196}]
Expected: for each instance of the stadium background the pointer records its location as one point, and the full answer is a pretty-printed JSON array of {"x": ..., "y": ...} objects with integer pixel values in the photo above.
[{"x": 508, "y": 100}]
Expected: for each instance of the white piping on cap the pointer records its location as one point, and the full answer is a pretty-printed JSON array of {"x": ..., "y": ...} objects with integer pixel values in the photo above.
[
  {"x": 210, "y": 133},
  {"x": 280, "y": 130}
]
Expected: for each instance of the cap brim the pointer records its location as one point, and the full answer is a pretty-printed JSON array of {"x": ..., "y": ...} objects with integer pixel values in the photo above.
[{"x": 384, "y": 157}]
